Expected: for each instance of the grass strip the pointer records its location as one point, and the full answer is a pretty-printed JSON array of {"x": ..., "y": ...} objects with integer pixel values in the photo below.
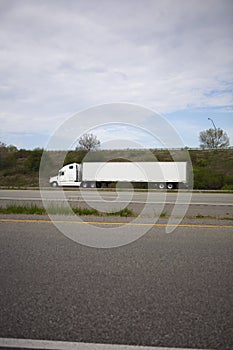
[
  {"x": 123, "y": 213},
  {"x": 33, "y": 209},
  {"x": 60, "y": 210},
  {"x": 22, "y": 209}
]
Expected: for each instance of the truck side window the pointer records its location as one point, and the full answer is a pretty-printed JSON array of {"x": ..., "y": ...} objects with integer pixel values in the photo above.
[
  {"x": 71, "y": 167},
  {"x": 61, "y": 173}
]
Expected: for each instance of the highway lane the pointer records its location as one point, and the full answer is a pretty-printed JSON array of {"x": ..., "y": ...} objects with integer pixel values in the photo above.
[
  {"x": 96, "y": 195},
  {"x": 171, "y": 290}
]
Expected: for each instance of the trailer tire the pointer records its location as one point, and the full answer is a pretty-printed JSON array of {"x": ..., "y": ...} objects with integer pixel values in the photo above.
[
  {"x": 170, "y": 186},
  {"x": 85, "y": 184},
  {"x": 161, "y": 186}
]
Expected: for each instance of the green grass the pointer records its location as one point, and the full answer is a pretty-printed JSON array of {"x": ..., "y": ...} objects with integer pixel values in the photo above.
[
  {"x": 33, "y": 209},
  {"x": 200, "y": 216},
  {"x": 22, "y": 209},
  {"x": 86, "y": 211},
  {"x": 123, "y": 213},
  {"x": 61, "y": 210}
]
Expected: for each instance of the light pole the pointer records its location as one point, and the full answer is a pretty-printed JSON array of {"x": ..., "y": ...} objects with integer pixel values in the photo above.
[
  {"x": 213, "y": 124},
  {"x": 216, "y": 131}
]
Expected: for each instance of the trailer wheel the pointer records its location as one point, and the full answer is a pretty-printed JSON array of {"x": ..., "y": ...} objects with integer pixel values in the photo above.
[
  {"x": 170, "y": 186},
  {"x": 161, "y": 186},
  {"x": 93, "y": 185},
  {"x": 84, "y": 184}
]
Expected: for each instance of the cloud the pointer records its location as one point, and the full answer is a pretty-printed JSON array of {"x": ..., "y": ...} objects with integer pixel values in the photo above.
[{"x": 59, "y": 57}]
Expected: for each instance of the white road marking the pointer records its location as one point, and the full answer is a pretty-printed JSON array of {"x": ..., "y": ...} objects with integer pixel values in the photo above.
[{"x": 63, "y": 345}]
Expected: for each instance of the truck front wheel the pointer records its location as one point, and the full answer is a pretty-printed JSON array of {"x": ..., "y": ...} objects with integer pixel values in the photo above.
[{"x": 54, "y": 184}]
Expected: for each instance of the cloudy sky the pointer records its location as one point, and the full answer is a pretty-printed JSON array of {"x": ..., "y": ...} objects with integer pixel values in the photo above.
[{"x": 59, "y": 57}]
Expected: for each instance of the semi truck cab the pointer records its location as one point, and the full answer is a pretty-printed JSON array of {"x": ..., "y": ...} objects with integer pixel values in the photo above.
[{"x": 69, "y": 175}]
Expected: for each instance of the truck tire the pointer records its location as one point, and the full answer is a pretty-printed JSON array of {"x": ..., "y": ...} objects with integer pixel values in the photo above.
[
  {"x": 85, "y": 184},
  {"x": 170, "y": 186},
  {"x": 54, "y": 184},
  {"x": 162, "y": 186}
]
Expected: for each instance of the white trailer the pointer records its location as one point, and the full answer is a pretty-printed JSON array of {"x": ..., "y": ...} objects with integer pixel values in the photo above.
[{"x": 102, "y": 174}]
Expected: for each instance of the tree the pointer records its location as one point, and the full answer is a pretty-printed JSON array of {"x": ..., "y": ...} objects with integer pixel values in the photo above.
[
  {"x": 12, "y": 148},
  {"x": 3, "y": 150},
  {"x": 88, "y": 142},
  {"x": 214, "y": 138}
]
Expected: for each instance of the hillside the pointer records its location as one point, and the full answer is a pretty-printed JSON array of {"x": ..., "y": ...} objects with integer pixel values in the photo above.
[{"x": 212, "y": 169}]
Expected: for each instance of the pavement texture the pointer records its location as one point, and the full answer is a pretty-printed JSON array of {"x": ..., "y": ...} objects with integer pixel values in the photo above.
[{"x": 172, "y": 290}]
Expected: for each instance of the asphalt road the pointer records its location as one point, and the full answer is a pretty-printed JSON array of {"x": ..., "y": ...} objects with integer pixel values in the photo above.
[
  {"x": 95, "y": 195},
  {"x": 218, "y": 205},
  {"x": 171, "y": 290}
]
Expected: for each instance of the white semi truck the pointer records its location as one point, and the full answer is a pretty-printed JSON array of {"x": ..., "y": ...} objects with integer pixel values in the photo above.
[{"x": 101, "y": 174}]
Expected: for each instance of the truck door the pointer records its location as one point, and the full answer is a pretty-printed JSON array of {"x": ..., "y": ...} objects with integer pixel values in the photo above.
[
  {"x": 61, "y": 177},
  {"x": 71, "y": 173},
  {"x": 68, "y": 175}
]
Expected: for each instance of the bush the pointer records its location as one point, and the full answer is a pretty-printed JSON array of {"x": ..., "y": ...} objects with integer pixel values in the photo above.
[
  {"x": 33, "y": 161},
  {"x": 205, "y": 179}
]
